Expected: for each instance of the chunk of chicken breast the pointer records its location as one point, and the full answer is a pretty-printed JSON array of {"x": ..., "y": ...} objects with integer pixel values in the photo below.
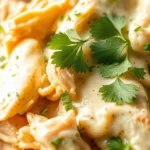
[{"x": 21, "y": 79}]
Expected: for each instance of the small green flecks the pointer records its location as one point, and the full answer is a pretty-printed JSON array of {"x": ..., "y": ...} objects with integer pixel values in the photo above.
[
  {"x": 3, "y": 66},
  {"x": 17, "y": 95},
  {"x": 56, "y": 142},
  {"x": 17, "y": 57},
  {"x": 2, "y": 58},
  {"x": 61, "y": 17},
  {"x": 13, "y": 75},
  {"x": 43, "y": 111},
  {"x": 8, "y": 94},
  {"x": 78, "y": 14},
  {"x": 137, "y": 29},
  {"x": 69, "y": 18},
  {"x": 1, "y": 29}
]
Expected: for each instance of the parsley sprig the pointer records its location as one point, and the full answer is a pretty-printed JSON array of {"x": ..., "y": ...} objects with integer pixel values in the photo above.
[
  {"x": 107, "y": 50},
  {"x": 115, "y": 143},
  {"x": 110, "y": 44},
  {"x": 119, "y": 92},
  {"x": 69, "y": 52}
]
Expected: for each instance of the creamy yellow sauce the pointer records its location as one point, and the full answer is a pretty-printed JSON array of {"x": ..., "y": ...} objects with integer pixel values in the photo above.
[{"x": 31, "y": 113}]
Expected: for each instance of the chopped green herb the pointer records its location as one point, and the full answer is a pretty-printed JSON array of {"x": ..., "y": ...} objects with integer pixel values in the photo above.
[
  {"x": 69, "y": 18},
  {"x": 115, "y": 69},
  {"x": 61, "y": 17},
  {"x": 78, "y": 14},
  {"x": 113, "y": 24},
  {"x": 17, "y": 57},
  {"x": 13, "y": 75},
  {"x": 108, "y": 51},
  {"x": 113, "y": 1},
  {"x": 147, "y": 47},
  {"x": 8, "y": 94},
  {"x": 137, "y": 29},
  {"x": 17, "y": 94},
  {"x": 2, "y": 58},
  {"x": 56, "y": 142},
  {"x": 69, "y": 52},
  {"x": 1, "y": 29},
  {"x": 139, "y": 72},
  {"x": 119, "y": 92},
  {"x": 3, "y": 66},
  {"x": 43, "y": 111},
  {"x": 65, "y": 98},
  {"x": 115, "y": 143}
]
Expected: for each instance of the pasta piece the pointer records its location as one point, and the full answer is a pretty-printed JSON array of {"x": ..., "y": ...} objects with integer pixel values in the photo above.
[
  {"x": 5, "y": 146},
  {"x": 56, "y": 80},
  {"x": 23, "y": 73},
  {"x": 8, "y": 133},
  {"x": 62, "y": 77},
  {"x": 26, "y": 140},
  {"x": 37, "y": 23},
  {"x": 63, "y": 127}
]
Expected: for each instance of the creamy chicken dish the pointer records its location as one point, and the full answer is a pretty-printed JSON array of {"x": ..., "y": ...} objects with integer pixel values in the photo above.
[{"x": 74, "y": 74}]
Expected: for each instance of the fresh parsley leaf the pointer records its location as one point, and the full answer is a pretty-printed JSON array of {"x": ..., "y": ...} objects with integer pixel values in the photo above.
[
  {"x": 137, "y": 29},
  {"x": 115, "y": 69},
  {"x": 115, "y": 143},
  {"x": 139, "y": 72},
  {"x": 147, "y": 47},
  {"x": 108, "y": 51},
  {"x": 118, "y": 22},
  {"x": 56, "y": 142},
  {"x": 107, "y": 26},
  {"x": 119, "y": 92},
  {"x": 69, "y": 52},
  {"x": 59, "y": 41},
  {"x": 66, "y": 100}
]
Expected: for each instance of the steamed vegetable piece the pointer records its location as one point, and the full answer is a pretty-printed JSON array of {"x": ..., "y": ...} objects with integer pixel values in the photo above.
[{"x": 23, "y": 74}]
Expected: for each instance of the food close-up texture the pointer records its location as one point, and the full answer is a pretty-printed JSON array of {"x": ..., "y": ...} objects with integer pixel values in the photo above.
[{"x": 74, "y": 74}]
